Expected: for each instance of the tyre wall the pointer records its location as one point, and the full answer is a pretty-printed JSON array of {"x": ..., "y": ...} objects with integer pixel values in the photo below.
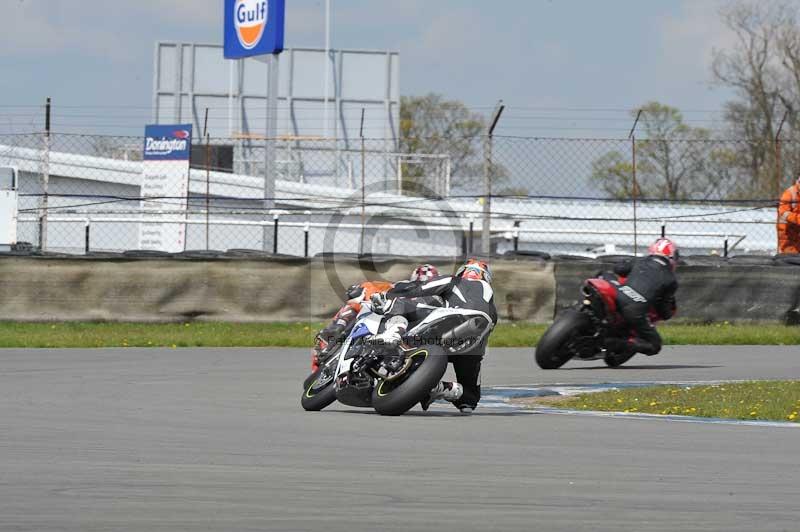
[
  {"x": 229, "y": 289},
  {"x": 283, "y": 289}
]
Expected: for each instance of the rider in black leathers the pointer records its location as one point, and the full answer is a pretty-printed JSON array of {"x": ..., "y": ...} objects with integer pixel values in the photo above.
[
  {"x": 469, "y": 289},
  {"x": 650, "y": 283}
]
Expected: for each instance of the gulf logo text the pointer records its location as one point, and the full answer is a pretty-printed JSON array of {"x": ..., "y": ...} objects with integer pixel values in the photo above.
[{"x": 250, "y": 19}]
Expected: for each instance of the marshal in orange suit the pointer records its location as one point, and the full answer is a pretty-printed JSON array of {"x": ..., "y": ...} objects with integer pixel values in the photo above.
[{"x": 789, "y": 220}]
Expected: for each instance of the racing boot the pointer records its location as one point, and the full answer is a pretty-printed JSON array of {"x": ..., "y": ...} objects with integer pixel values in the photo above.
[{"x": 449, "y": 391}]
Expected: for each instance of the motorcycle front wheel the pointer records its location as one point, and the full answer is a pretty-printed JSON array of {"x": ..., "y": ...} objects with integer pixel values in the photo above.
[
  {"x": 553, "y": 351},
  {"x": 319, "y": 390},
  {"x": 393, "y": 398}
]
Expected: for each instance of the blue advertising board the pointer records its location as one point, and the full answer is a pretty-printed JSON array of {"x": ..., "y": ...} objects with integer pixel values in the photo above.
[
  {"x": 171, "y": 142},
  {"x": 253, "y": 27}
]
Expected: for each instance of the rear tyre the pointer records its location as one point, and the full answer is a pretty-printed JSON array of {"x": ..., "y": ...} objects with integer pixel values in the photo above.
[
  {"x": 552, "y": 351},
  {"x": 397, "y": 397}
]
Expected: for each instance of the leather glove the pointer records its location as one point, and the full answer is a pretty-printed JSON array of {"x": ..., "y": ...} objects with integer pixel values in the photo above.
[{"x": 379, "y": 303}]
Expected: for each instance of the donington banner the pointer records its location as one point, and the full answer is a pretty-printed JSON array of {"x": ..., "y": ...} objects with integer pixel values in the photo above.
[{"x": 165, "y": 187}]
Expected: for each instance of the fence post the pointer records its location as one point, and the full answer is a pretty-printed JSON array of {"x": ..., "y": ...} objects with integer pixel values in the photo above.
[
  {"x": 305, "y": 239},
  {"x": 208, "y": 177},
  {"x": 45, "y": 178},
  {"x": 663, "y": 229},
  {"x": 87, "y": 225},
  {"x": 725, "y": 248},
  {"x": 634, "y": 184},
  {"x": 471, "y": 228},
  {"x": 363, "y": 187},
  {"x": 516, "y": 236},
  {"x": 41, "y": 232},
  {"x": 275, "y": 218},
  {"x": 486, "y": 242},
  {"x": 778, "y": 166}
]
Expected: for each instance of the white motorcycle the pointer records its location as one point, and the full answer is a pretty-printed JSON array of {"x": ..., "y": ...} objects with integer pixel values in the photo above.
[{"x": 392, "y": 379}]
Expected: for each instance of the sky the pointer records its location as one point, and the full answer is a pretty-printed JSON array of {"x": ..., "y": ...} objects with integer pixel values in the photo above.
[{"x": 562, "y": 67}]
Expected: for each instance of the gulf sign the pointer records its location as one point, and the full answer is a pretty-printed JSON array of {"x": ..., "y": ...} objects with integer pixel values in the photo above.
[
  {"x": 253, "y": 27},
  {"x": 172, "y": 142}
]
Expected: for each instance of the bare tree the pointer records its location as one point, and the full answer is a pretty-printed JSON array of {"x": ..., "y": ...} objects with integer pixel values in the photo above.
[{"x": 763, "y": 69}]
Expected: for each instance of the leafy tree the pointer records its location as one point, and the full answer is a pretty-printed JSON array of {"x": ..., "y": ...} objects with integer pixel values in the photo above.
[
  {"x": 431, "y": 124},
  {"x": 614, "y": 172},
  {"x": 671, "y": 160}
]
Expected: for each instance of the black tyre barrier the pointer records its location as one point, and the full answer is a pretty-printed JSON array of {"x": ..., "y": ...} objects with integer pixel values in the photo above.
[
  {"x": 614, "y": 258},
  {"x": 145, "y": 253},
  {"x": 200, "y": 254},
  {"x": 525, "y": 253},
  {"x": 572, "y": 258},
  {"x": 702, "y": 260},
  {"x": 757, "y": 260},
  {"x": 788, "y": 259}
]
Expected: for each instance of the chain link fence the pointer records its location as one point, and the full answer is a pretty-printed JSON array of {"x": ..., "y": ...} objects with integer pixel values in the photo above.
[{"x": 430, "y": 197}]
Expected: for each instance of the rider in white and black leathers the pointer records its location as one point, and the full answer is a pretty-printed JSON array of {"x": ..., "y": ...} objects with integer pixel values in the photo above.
[{"x": 469, "y": 288}]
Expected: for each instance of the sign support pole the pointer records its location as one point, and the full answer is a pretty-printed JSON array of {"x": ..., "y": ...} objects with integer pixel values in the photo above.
[{"x": 270, "y": 139}]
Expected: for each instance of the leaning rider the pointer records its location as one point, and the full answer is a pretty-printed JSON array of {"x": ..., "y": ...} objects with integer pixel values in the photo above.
[
  {"x": 650, "y": 284},
  {"x": 355, "y": 295},
  {"x": 469, "y": 288}
]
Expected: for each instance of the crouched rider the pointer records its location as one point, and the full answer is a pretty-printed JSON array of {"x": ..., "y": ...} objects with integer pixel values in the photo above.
[
  {"x": 469, "y": 288},
  {"x": 650, "y": 284}
]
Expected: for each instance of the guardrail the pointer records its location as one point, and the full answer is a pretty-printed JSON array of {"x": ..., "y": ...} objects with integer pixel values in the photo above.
[{"x": 467, "y": 234}]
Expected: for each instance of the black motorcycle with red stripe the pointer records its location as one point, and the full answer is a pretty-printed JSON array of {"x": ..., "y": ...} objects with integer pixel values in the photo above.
[{"x": 581, "y": 332}]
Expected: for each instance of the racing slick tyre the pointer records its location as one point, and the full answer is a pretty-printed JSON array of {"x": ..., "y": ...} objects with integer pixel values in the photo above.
[
  {"x": 319, "y": 391},
  {"x": 393, "y": 398},
  {"x": 553, "y": 350}
]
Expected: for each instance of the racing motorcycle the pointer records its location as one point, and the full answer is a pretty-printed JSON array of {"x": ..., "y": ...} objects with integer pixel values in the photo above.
[
  {"x": 581, "y": 332},
  {"x": 392, "y": 379}
]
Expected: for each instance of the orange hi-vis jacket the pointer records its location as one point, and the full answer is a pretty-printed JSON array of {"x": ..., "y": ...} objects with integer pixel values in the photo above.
[{"x": 789, "y": 221}]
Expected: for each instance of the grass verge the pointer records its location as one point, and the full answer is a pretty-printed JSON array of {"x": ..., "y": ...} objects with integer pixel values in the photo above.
[
  {"x": 225, "y": 334},
  {"x": 755, "y": 400}
]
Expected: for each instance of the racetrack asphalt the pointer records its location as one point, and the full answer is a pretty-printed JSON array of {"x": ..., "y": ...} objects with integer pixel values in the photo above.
[{"x": 215, "y": 439}]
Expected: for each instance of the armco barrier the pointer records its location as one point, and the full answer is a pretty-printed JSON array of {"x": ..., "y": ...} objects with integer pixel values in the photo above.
[{"x": 228, "y": 288}]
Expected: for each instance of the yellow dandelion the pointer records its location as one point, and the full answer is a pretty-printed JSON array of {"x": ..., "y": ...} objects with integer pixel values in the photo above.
[{"x": 654, "y": 403}]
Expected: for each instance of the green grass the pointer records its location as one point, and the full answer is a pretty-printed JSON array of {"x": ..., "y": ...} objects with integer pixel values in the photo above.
[
  {"x": 190, "y": 334},
  {"x": 761, "y": 400},
  {"x": 224, "y": 334}
]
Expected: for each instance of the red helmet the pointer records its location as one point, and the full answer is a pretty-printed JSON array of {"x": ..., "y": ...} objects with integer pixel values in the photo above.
[
  {"x": 664, "y": 247},
  {"x": 476, "y": 270},
  {"x": 424, "y": 273}
]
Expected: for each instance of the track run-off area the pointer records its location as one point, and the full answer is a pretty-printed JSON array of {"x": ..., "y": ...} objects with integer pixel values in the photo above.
[{"x": 215, "y": 439}]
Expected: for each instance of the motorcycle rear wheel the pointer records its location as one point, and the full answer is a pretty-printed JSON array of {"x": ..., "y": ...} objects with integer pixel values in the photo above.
[
  {"x": 393, "y": 398},
  {"x": 551, "y": 351}
]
